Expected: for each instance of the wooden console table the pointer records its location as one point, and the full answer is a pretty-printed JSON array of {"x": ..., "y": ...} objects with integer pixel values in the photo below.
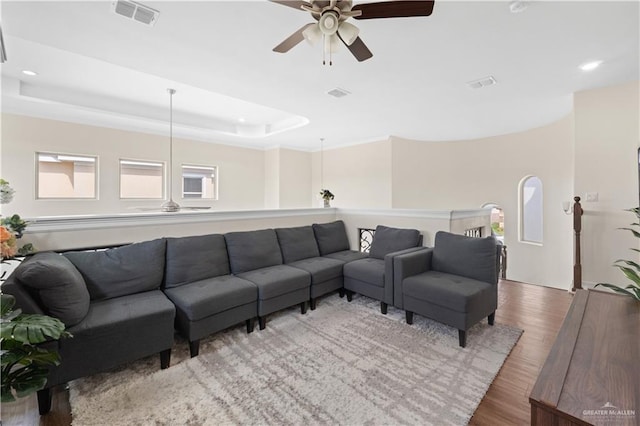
[{"x": 592, "y": 374}]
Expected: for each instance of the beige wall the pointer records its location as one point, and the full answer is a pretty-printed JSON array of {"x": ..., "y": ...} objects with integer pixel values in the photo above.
[
  {"x": 468, "y": 174},
  {"x": 606, "y": 143},
  {"x": 241, "y": 170},
  {"x": 591, "y": 150},
  {"x": 359, "y": 176},
  {"x": 287, "y": 179}
]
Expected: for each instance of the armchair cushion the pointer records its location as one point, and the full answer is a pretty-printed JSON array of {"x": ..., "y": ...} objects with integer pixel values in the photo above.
[
  {"x": 59, "y": 285},
  {"x": 331, "y": 237},
  {"x": 466, "y": 256},
  {"x": 297, "y": 243},
  {"x": 451, "y": 291},
  {"x": 388, "y": 240},
  {"x": 191, "y": 259},
  {"x": 130, "y": 269},
  {"x": 251, "y": 250}
]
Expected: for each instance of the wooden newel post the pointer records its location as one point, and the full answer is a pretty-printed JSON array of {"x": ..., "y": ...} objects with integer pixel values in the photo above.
[{"x": 577, "y": 228}]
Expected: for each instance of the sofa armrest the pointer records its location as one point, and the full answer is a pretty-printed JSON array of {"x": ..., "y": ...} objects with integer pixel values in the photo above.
[
  {"x": 389, "y": 280},
  {"x": 406, "y": 265}
]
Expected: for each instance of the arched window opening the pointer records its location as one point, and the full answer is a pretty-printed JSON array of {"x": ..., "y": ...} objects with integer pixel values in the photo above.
[{"x": 531, "y": 212}]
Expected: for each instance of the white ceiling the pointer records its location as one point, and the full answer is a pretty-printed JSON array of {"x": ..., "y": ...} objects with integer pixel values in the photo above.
[{"x": 100, "y": 68}]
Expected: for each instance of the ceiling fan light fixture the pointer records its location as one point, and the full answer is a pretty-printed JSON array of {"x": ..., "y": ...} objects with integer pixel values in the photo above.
[
  {"x": 312, "y": 34},
  {"x": 328, "y": 23},
  {"x": 348, "y": 33}
]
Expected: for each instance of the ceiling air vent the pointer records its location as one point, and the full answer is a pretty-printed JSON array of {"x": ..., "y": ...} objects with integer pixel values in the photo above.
[
  {"x": 482, "y": 82},
  {"x": 338, "y": 92},
  {"x": 136, "y": 11}
]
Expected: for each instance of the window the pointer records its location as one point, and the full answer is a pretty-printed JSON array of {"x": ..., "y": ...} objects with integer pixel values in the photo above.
[
  {"x": 141, "y": 179},
  {"x": 66, "y": 176},
  {"x": 531, "y": 210},
  {"x": 199, "y": 182}
]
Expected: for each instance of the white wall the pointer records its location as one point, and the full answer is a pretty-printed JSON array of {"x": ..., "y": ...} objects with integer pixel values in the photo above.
[
  {"x": 241, "y": 170},
  {"x": 606, "y": 143},
  {"x": 287, "y": 179}
]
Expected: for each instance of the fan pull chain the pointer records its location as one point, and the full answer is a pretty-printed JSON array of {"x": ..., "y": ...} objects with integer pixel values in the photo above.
[{"x": 323, "y": 50}]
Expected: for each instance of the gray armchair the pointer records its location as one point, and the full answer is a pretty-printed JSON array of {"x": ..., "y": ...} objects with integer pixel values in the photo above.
[
  {"x": 373, "y": 276},
  {"x": 455, "y": 282}
]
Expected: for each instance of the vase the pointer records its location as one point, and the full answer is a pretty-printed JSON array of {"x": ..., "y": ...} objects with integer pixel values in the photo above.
[{"x": 327, "y": 203}]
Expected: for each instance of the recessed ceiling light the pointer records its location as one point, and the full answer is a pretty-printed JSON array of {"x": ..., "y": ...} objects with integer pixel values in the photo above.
[
  {"x": 241, "y": 120},
  {"x": 517, "y": 6},
  {"x": 590, "y": 66},
  {"x": 29, "y": 73}
]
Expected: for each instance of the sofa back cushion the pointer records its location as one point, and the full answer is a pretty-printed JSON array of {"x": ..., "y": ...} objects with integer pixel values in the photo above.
[
  {"x": 387, "y": 240},
  {"x": 129, "y": 269},
  {"x": 57, "y": 284},
  {"x": 297, "y": 243},
  {"x": 331, "y": 237},
  {"x": 195, "y": 258},
  {"x": 466, "y": 256},
  {"x": 251, "y": 250}
]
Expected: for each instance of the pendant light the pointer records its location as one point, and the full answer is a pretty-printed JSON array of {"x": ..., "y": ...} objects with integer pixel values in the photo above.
[{"x": 170, "y": 206}]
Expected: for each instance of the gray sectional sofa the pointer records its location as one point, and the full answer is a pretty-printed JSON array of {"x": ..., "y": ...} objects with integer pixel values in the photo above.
[{"x": 125, "y": 303}]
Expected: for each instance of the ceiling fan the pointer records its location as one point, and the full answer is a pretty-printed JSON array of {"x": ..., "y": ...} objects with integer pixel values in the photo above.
[
  {"x": 171, "y": 206},
  {"x": 332, "y": 28}
]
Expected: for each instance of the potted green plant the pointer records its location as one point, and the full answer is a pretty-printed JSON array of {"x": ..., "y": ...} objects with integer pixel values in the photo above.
[
  {"x": 629, "y": 268},
  {"x": 327, "y": 196},
  {"x": 24, "y": 364}
]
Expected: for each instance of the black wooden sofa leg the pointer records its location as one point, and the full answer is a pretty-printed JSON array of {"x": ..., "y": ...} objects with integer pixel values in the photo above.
[
  {"x": 44, "y": 401},
  {"x": 250, "y": 325},
  {"x": 409, "y": 317},
  {"x": 194, "y": 348},
  {"x": 262, "y": 322},
  {"x": 303, "y": 308},
  {"x": 341, "y": 292},
  {"x": 165, "y": 358},
  {"x": 349, "y": 295},
  {"x": 492, "y": 318},
  {"x": 462, "y": 338},
  {"x": 312, "y": 304},
  {"x": 383, "y": 308}
]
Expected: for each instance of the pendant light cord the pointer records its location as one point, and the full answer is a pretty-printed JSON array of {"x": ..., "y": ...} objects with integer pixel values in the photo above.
[{"x": 170, "y": 171}]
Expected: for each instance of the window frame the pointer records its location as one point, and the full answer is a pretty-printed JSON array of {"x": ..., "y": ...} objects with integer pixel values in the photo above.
[
  {"x": 96, "y": 175},
  {"x": 216, "y": 172},
  {"x": 521, "y": 209},
  {"x": 163, "y": 165}
]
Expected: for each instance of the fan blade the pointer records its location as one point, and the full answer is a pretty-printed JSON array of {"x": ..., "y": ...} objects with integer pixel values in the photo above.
[
  {"x": 394, "y": 9},
  {"x": 292, "y": 40},
  {"x": 296, "y": 4},
  {"x": 358, "y": 49}
]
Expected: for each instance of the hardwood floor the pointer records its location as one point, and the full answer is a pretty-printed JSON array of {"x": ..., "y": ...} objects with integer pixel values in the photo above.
[{"x": 539, "y": 311}]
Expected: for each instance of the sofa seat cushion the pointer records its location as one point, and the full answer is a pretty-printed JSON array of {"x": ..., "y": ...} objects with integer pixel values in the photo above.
[
  {"x": 130, "y": 269},
  {"x": 331, "y": 237},
  {"x": 450, "y": 291},
  {"x": 347, "y": 256},
  {"x": 58, "y": 284},
  {"x": 277, "y": 280},
  {"x": 191, "y": 259},
  {"x": 211, "y": 296},
  {"x": 388, "y": 240},
  {"x": 297, "y": 243},
  {"x": 126, "y": 315},
  {"x": 252, "y": 250},
  {"x": 368, "y": 270},
  {"x": 321, "y": 268}
]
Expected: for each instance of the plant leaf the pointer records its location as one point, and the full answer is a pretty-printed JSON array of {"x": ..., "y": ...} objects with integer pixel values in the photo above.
[
  {"x": 630, "y": 273},
  {"x": 32, "y": 328},
  {"x": 617, "y": 289},
  {"x": 636, "y": 233},
  {"x": 7, "y": 302},
  {"x": 628, "y": 262}
]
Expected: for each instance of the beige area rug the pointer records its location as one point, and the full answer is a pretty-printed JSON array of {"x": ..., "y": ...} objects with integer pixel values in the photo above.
[{"x": 344, "y": 363}]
